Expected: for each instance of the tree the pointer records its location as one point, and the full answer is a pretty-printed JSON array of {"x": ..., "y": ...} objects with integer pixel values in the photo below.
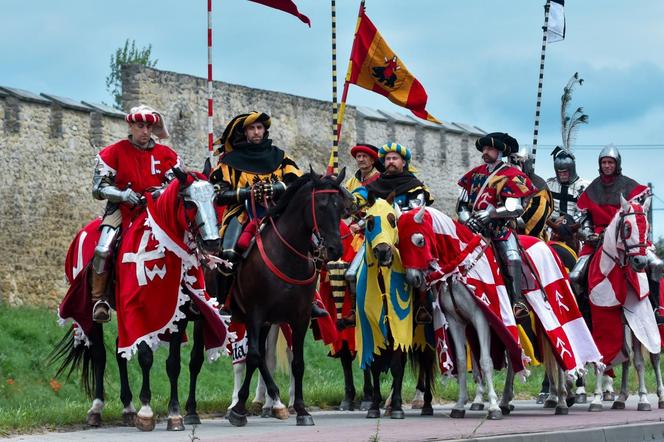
[
  {"x": 659, "y": 246},
  {"x": 129, "y": 54}
]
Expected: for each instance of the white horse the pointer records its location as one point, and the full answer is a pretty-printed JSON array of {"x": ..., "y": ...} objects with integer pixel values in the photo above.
[{"x": 618, "y": 290}]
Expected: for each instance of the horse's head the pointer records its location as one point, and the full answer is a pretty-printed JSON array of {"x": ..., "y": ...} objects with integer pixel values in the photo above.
[
  {"x": 381, "y": 230},
  {"x": 326, "y": 204},
  {"x": 631, "y": 233},
  {"x": 416, "y": 245},
  {"x": 201, "y": 218}
]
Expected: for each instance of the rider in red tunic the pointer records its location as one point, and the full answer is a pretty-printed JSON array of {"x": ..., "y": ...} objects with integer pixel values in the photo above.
[
  {"x": 599, "y": 203},
  {"x": 491, "y": 199},
  {"x": 123, "y": 173}
]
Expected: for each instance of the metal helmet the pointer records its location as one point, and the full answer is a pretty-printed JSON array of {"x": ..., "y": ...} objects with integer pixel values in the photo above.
[
  {"x": 524, "y": 160},
  {"x": 610, "y": 151},
  {"x": 564, "y": 161}
]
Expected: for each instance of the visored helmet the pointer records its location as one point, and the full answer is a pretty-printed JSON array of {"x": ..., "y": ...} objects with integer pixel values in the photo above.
[{"x": 564, "y": 161}]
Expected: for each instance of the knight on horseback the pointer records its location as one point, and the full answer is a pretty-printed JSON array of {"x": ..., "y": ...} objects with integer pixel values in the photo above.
[
  {"x": 123, "y": 173},
  {"x": 598, "y": 204},
  {"x": 252, "y": 173},
  {"x": 492, "y": 197}
]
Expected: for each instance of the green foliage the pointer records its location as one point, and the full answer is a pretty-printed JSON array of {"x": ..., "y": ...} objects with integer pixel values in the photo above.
[
  {"x": 129, "y": 54},
  {"x": 659, "y": 246}
]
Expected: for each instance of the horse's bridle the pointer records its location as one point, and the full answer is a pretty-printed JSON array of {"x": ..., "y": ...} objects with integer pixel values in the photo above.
[
  {"x": 316, "y": 232},
  {"x": 620, "y": 236}
]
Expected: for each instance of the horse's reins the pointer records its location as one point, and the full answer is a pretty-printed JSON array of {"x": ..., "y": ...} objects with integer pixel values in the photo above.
[
  {"x": 316, "y": 231},
  {"x": 620, "y": 236}
]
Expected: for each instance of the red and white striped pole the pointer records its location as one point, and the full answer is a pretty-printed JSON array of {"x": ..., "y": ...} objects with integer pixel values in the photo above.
[{"x": 209, "y": 83}]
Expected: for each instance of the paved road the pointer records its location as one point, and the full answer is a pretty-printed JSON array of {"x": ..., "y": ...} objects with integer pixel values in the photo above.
[{"x": 528, "y": 422}]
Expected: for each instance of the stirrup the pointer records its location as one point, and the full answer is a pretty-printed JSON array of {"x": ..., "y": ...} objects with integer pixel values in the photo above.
[
  {"x": 317, "y": 311},
  {"x": 101, "y": 312},
  {"x": 422, "y": 316},
  {"x": 521, "y": 310}
]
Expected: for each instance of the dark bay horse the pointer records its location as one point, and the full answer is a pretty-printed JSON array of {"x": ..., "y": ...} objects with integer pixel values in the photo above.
[
  {"x": 187, "y": 206},
  {"x": 277, "y": 280}
]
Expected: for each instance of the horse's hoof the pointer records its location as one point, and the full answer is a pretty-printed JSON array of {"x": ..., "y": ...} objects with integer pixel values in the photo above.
[
  {"x": 304, "y": 421},
  {"x": 457, "y": 414},
  {"x": 417, "y": 404},
  {"x": 581, "y": 398},
  {"x": 93, "y": 419},
  {"x": 373, "y": 413},
  {"x": 506, "y": 409},
  {"x": 145, "y": 423},
  {"x": 237, "y": 419},
  {"x": 570, "y": 400},
  {"x": 346, "y": 405},
  {"x": 365, "y": 405},
  {"x": 618, "y": 405},
  {"x": 550, "y": 403},
  {"x": 476, "y": 406},
  {"x": 643, "y": 406},
  {"x": 541, "y": 397},
  {"x": 175, "y": 424},
  {"x": 129, "y": 419},
  {"x": 388, "y": 411},
  {"x": 595, "y": 407},
  {"x": 266, "y": 412},
  {"x": 192, "y": 419},
  {"x": 495, "y": 415},
  {"x": 280, "y": 413},
  {"x": 660, "y": 404},
  {"x": 608, "y": 396},
  {"x": 427, "y": 410},
  {"x": 397, "y": 414},
  {"x": 561, "y": 411}
]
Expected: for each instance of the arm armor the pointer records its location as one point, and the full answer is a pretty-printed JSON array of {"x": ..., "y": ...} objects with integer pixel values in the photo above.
[
  {"x": 512, "y": 208},
  {"x": 587, "y": 227},
  {"x": 278, "y": 189},
  {"x": 463, "y": 207},
  {"x": 103, "y": 188},
  {"x": 226, "y": 197}
]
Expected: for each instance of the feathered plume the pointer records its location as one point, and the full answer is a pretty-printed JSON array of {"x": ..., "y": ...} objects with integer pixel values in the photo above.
[{"x": 570, "y": 124}]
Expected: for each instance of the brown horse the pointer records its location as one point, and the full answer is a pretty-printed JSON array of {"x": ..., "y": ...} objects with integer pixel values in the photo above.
[{"x": 277, "y": 280}]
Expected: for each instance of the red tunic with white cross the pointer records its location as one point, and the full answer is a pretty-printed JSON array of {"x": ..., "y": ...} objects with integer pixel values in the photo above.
[{"x": 143, "y": 168}]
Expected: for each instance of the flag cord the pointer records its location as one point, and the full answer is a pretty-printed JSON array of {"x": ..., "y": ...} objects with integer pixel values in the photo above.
[{"x": 533, "y": 150}]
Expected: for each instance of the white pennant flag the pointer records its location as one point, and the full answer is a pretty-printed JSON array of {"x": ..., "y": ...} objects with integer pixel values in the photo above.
[{"x": 556, "y": 27}]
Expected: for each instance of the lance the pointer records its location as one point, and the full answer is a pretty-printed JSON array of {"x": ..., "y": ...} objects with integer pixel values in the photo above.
[
  {"x": 209, "y": 84},
  {"x": 545, "y": 28},
  {"x": 344, "y": 95},
  {"x": 333, "y": 163}
]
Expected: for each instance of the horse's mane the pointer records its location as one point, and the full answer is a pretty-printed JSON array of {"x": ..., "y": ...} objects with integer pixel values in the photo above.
[{"x": 293, "y": 189}]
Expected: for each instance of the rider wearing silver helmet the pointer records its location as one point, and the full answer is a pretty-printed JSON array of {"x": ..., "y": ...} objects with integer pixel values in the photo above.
[
  {"x": 599, "y": 203},
  {"x": 566, "y": 187}
]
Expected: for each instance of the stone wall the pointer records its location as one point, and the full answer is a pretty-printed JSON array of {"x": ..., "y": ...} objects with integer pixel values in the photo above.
[{"x": 48, "y": 145}]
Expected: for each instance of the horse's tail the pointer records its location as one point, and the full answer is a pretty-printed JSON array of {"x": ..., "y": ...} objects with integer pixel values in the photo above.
[
  {"x": 424, "y": 360},
  {"x": 72, "y": 356}
]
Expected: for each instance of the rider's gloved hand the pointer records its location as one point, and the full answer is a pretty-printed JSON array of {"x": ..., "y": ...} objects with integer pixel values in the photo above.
[
  {"x": 478, "y": 220},
  {"x": 130, "y": 197}
]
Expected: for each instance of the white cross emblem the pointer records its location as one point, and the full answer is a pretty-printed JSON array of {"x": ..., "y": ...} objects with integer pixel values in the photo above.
[
  {"x": 559, "y": 298},
  {"x": 141, "y": 257},
  {"x": 79, "y": 256},
  {"x": 560, "y": 344},
  {"x": 485, "y": 299},
  {"x": 153, "y": 165}
]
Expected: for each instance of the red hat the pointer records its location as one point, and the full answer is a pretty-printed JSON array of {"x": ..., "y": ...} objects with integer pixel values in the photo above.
[{"x": 368, "y": 149}]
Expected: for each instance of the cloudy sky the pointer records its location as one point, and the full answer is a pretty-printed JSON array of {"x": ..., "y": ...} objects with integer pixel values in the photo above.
[{"x": 477, "y": 59}]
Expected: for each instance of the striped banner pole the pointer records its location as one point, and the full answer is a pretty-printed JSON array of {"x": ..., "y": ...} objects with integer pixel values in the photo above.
[
  {"x": 533, "y": 150},
  {"x": 209, "y": 84},
  {"x": 333, "y": 163}
]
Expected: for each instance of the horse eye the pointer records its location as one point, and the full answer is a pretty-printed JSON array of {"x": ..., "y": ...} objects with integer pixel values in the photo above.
[
  {"x": 417, "y": 239},
  {"x": 627, "y": 231},
  {"x": 190, "y": 205},
  {"x": 370, "y": 223},
  {"x": 392, "y": 219}
]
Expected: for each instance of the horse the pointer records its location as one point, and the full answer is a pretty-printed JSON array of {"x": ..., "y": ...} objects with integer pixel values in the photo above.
[
  {"x": 428, "y": 238},
  {"x": 623, "y": 319},
  {"x": 184, "y": 210},
  {"x": 384, "y": 332},
  {"x": 275, "y": 283}
]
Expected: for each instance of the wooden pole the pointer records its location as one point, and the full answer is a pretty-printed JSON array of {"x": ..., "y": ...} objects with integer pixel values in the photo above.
[
  {"x": 209, "y": 85},
  {"x": 333, "y": 163},
  {"x": 541, "y": 80}
]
